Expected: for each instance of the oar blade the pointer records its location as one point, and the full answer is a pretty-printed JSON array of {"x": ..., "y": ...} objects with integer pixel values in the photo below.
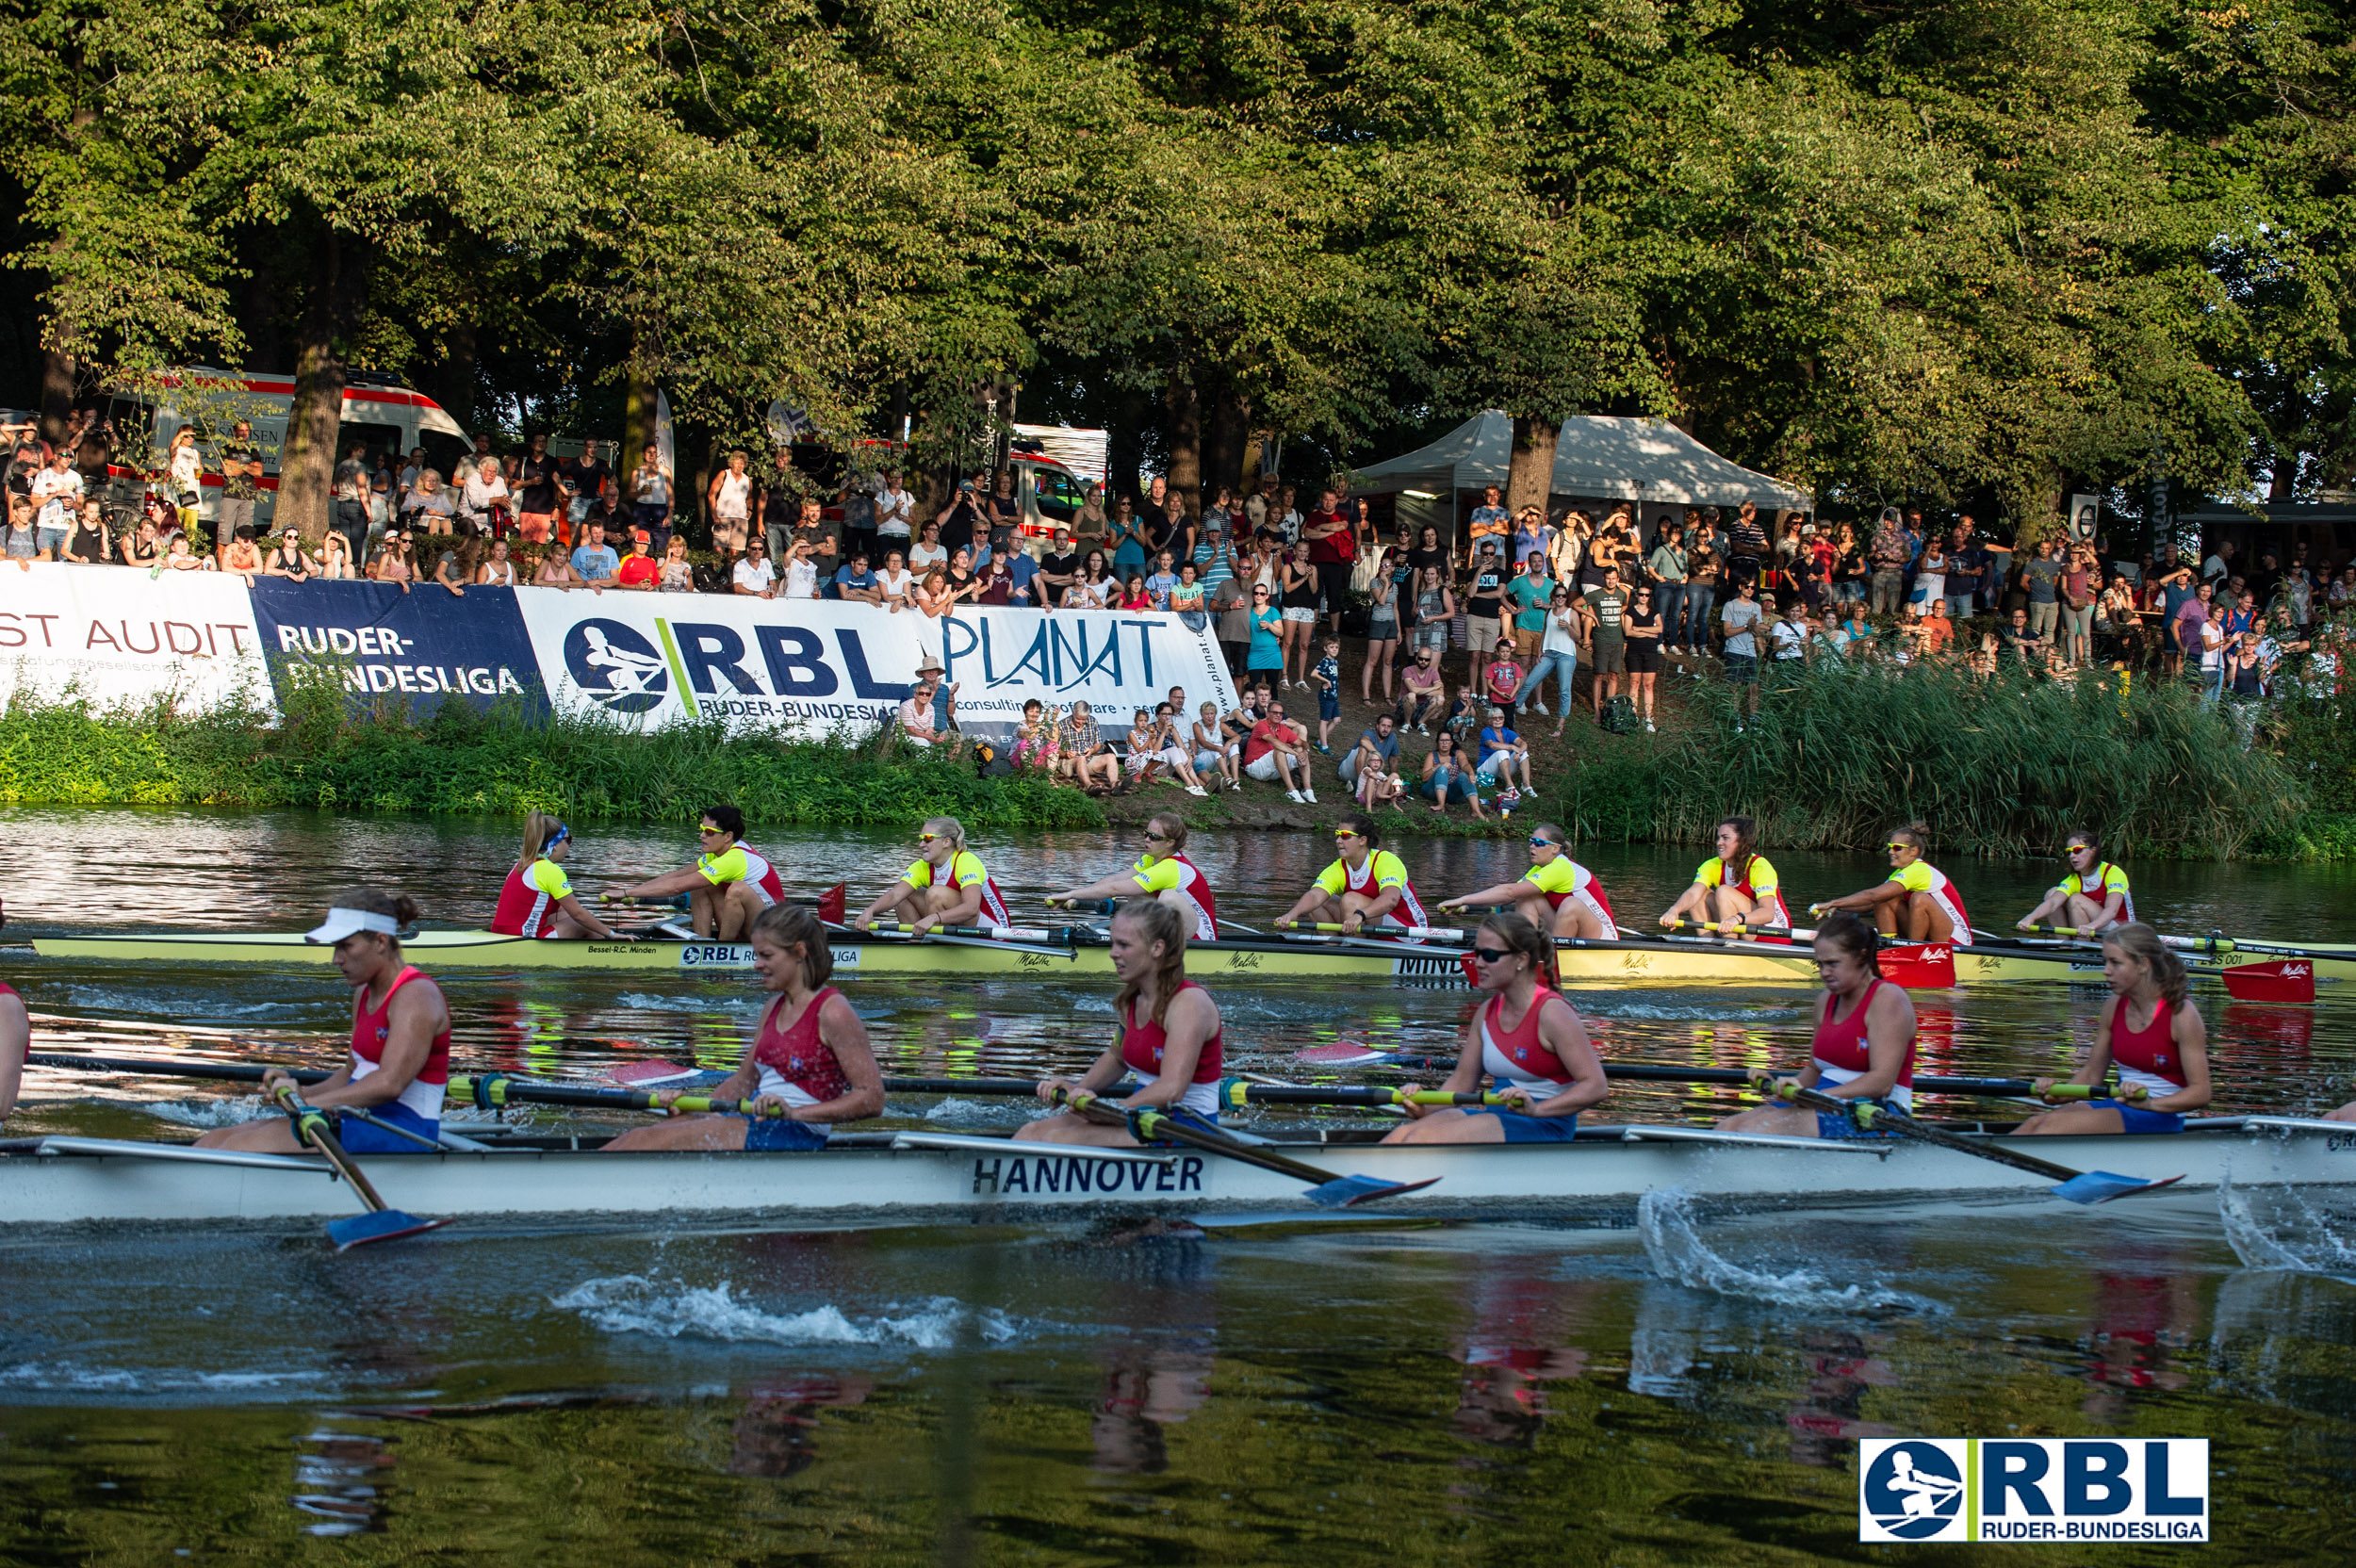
[
  {"x": 382, "y": 1225},
  {"x": 2290, "y": 980},
  {"x": 639, "y": 1075},
  {"x": 1341, "y": 1053},
  {"x": 830, "y": 904},
  {"x": 1349, "y": 1192},
  {"x": 2101, "y": 1187}
]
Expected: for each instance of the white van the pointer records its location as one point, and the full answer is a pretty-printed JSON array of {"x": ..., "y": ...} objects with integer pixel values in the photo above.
[{"x": 385, "y": 417}]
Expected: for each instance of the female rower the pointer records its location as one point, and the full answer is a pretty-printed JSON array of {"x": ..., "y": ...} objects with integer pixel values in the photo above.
[
  {"x": 1164, "y": 874},
  {"x": 1527, "y": 1037},
  {"x": 810, "y": 1066},
  {"x": 945, "y": 884},
  {"x": 1170, "y": 1036},
  {"x": 1737, "y": 886},
  {"x": 1864, "y": 1046},
  {"x": 537, "y": 899},
  {"x": 399, "y": 1058},
  {"x": 1367, "y": 882},
  {"x": 727, "y": 887},
  {"x": 1917, "y": 903},
  {"x": 2163, "y": 1060},
  {"x": 16, "y": 1037},
  {"x": 1556, "y": 893},
  {"x": 2093, "y": 897}
]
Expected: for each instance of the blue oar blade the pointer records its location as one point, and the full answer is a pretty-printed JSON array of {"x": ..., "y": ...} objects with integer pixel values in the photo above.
[
  {"x": 1348, "y": 1192},
  {"x": 383, "y": 1225},
  {"x": 2101, "y": 1187}
]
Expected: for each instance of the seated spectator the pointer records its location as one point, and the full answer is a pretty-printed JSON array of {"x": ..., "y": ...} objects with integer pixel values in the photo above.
[
  {"x": 1084, "y": 756},
  {"x": 1175, "y": 751},
  {"x": 497, "y": 570},
  {"x": 1035, "y": 740},
  {"x": 1187, "y": 594},
  {"x": 91, "y": 544},
  {"x": 179, "y": 558},
  {"x": 1423, "y": 692},
  {"x": 1936, "y": 632},
  {"x": 1502, "y": 752},
  {"x": 753, "y": 577},
  {"x": 288, "y": 559},
  {"x": 242, "y": 556},
  {"x": 456, "y": 565},
  {"x": 926, "y": 717},
  {"x": 801, "y": 571},
  {"x": 641, "y": 573},
  {"x": 1278, "y": 752},
  {"x": 143, "y": 547},
  {"x": 335, "y": 559},
  {"x": 594, "y": 560},
  {"x": 555, "y": 571},
  {"x": 1215, "y": 750},
  {"x": 856, "y": 584},
  {"x": 1134, "y": 595},
  {"x": 1448, "y": 775},
  {"x": 1377, "y": 747}
]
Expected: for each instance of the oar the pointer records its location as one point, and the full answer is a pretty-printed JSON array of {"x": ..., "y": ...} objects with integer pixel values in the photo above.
[
  {"x": 227, "y": 1073},
  {"x": 2288, "y": 976},
  {"x": 382, "y": 1223},
  {"x": 1392, "y": 933},
  {"x": 828, "y": 904},
  {"x": 1326, "y": 1189},
  {"x": 1356, "y": 1053},
  {"x": 1739, "y": 930},
  {"x": 2078, "y": 1187}
]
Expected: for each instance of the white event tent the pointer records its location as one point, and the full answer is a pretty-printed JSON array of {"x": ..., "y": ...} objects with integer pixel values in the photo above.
[{"x": 1600, "y": 457}]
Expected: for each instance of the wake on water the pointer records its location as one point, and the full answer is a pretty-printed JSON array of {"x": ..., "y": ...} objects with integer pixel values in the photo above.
[
  {"x": 632, "y": 1303},
  {"x": 1664, "y": 1222},
  {"x": 211, "y": 1113},
  {"x": 2277, "y": 1228}
]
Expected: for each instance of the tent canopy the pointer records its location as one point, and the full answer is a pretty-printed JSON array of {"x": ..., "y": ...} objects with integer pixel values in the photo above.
[{"x": 1599, "y": 455}]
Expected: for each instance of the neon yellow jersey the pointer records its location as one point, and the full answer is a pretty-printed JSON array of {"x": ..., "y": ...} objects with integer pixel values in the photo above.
[
  {"x": 1761, "y": 876},
  {"x": 1383, "y": 870},
  {"x": 1558, "y": 875},
  {"x": 965, "y": 870},
  {"x": 1924, "y": 877},
  {"x": 729, "y": 865},
  {"x": 2102, "y": 881},
  {"x": 1165, "y": 876},
  {"x": 548, "y": 878}
]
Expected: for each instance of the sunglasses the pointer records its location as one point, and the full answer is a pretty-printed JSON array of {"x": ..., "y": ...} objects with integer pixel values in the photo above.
[
  {"x": 2077, "y": 849},
  {"x": 927, "y": 838},
  {"x": 1536, "y": 843},
  {"x": 1491, "y": 954},
  {"x": 1347, "y": 833},
  {"x": 1897, "y": 846},
  {"x": 710, "y": 832}
]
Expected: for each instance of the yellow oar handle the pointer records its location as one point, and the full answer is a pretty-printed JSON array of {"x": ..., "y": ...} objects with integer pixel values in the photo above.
[{"x": 1442, "y": 1097}]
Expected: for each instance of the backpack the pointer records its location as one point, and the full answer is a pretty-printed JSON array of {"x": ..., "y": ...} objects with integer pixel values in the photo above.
[{"x": 1619, "y": 717}]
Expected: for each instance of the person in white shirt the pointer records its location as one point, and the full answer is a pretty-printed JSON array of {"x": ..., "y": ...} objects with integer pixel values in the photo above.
[
  {"x": 1789, "y": 634},
  {"x": 896, "y": 509},
  {"x": 484, "y": 489},
  {"x": 895, "y": 581},
  {"x": 801, "y": 573},
  {"x": 754, "y": 577},
  {"x": 929, "y": 551},
  {"x": 57, "y": 493},
  {"x": 732, "y": 501}
]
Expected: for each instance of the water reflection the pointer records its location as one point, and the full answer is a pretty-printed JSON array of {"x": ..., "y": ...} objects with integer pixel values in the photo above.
[
  {"x": 1523, "y": 1320},
  {"x": 775, "y": 1431},
  {"x": 340, "y": 1481},
  {"x": 2146, "y": 1312},
  {"x": 1842, "y": 1367}
]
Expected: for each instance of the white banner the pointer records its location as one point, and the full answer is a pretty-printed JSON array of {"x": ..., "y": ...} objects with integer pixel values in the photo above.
[
  {"x": 116, "y": 636},
  {"x": 807, "y": 666}
]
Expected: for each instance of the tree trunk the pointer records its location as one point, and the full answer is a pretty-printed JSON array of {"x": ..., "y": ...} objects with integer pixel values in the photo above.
[
  {"x": 1530, "y": 474},
  {"x": 1183, "y": 412},
  {"x": 1224, "y": 443},
  {"x": 638, "y": 396},
  {"x": 58, "y": 375},
  {"x": 1124, "y": 452},
  {"x": 306, "y": 466}
]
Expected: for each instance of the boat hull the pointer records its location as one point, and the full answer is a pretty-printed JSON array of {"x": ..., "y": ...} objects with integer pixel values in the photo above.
[{"x": 935, "y": 1178}]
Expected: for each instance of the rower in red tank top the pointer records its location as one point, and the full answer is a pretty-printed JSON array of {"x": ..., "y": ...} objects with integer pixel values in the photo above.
[
  {"x": 1162, "y": 872},
  {"x": 2162, "y": 1061},
  {"x": 810, "y": 1066},
  {"x": 1864, "y": 1044},
  {"x": 1170, "y": 1036},
  {"x": 386, "y": 1099}
]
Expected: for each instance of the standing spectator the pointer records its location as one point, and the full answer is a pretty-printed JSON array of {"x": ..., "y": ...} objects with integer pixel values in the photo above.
[
  {"x": 56, "y": 497},
  {"x": 2213, "y": 645},
  {"x": 1089, "y": 524},
  {"x": 1186, "y": 595},
  {"x": 589, "y": 473},
  {"x": 1558, "y": 655},
  {"x": 498, "y": 570},
  {"x": 1967, "y": 564},
  {"x": 776, "y": 505},
  {"x": 2078, "y": 582},
  {"x": 1741, "y": 618},
  {"x": 754, "y": 577},
  {"x": 1532, "y": 536},
  {"x": 1484, "y": 607},
  {"x": 896, "y": 515},
  {"x": 1381, "y": 629},
  {"x": 729, "y": 497},
  {"x": 287, "y": 558},
  {"x": 1489, "y": 519},
  {"x": 1435, "y": 610},
  {"x": 1501, "y": 678},
  {"x": 1930, "y": 575},
  {"x": 930, "y": 551},
  {"x": 1163, "y": 578},
  {"x": 240, "y": 479},
  {"x": 2191, "y": 615},
  {"x": 1058, "y": 570},
  {"x": 1332, "y": 546},
  {"x": 1298, "y": 595},
  {"x": 1214, "y": 558},
  {"x": 895, "y": 585},
  {"x": 856, "y": 584},
  {"x": 1529, "y": 594},
  {"x": 143, "y": 547},
  {"x": 1668, "y": 564},
  {"x": 537, "y": 498},
  {"x": 824, "y": 538},
  {"x": 1127, "y": 532},
  {"x": 1268, "y": 644},
  {"x": 1889, "y": 556},
  {"x": 1746, "y": 546},
  {"x": 1606, "y": 611},
  {"x": 183, "y": 482},
  {"x": 1642, "y": 625},
  {"x": 858, "y": 514},
  {"x": 650, "y": 498},
  {"x": 2042, "y": 578}
]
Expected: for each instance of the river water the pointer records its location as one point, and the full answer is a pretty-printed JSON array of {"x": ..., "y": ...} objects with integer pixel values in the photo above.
[{"x": 1690, "y": 1389}]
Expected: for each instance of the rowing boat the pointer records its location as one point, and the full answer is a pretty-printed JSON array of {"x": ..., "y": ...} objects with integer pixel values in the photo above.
[
  {"x": 914, "y": 1177},
  {"x": 1641, "y": 961}
]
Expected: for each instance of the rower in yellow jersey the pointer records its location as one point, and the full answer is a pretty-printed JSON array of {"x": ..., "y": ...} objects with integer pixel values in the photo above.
[
  {"x": 1163, "y": 873},
  {"x": 1917, "y": 903},
  {"x": 945, "y": 884},
  {"x": 2094, "y": 896},
  {"x": 1556, "y": 894},
  {"x": 1737, "y": 886},
  {"x": 1367, "y": 885}
]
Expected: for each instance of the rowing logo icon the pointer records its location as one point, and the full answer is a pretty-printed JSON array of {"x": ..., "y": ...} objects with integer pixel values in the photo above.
[
  {"x": 1913, "y": 1491},
  {"x": 615, "y": 667}
]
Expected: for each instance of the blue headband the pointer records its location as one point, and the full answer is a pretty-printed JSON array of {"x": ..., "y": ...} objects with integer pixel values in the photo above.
[{"x": 561, "y": 833}]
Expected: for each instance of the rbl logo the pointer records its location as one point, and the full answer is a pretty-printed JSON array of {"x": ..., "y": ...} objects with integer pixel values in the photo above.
[{"x": 2032, "y": 1488}]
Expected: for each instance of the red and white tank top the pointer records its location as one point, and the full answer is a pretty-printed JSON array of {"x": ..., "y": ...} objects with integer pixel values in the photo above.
[
  {"x": 528, "y": 900},
  {"x": 370, "y": 1029},
  {"x": 1518, "y": 1056},
  {"x": 1176, "y": 873},
  {"x": 1843, "y": 1050},
  {"x": 1142, "y": 1047},
  {"x": 797, "y": 1066},
  {"x": 2148, "y": 1055}
]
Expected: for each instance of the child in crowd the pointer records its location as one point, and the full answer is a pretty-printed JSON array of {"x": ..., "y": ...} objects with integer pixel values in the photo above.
[{"x": 1326, "y": 675}]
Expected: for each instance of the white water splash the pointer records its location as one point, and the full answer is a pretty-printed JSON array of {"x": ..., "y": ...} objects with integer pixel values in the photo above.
[
  {"x": 69, "y": 1377},
  {"x": 1664, "y": 1222},
  {"x": 632, "y": 1303},
  {"x": 211, "y": 1113},
  {"x": 2277, "y": 1228},
  {"x": 952, "y": 1113}
]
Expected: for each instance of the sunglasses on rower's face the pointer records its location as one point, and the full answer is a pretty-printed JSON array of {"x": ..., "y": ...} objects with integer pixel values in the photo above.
[
  {"x": 927, "y": 838},
  {"x": 2076, "y": 849},
  {"x": 1544, "y": 843},
  {"x": 1491, "y": 954},
  {"x": 1345, "y": 833},
  {"x": 708, "y": 831},
  {"x": 1894, "y": 848}
]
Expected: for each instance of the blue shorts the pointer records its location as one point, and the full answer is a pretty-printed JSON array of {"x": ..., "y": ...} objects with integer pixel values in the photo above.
[
  {"x": 2138, "y": 1120},
  {"x": 358, "y": 1138},
  {"x": 1742, "y": 669},
  {"x": 1833, "y": 1124},
  {"x": 1531, "y": 1129},
  {"x": 771, "y": 1134},
  {"x": 1201, "y": 1121},
  {"x": 1329, "y": 704}
]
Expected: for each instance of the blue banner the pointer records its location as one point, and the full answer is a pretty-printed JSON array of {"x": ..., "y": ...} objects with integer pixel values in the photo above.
[{"x": 415, "y": 648}]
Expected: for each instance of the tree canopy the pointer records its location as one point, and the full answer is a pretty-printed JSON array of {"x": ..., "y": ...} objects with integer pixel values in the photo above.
[{"x": 1882, "y": 249}]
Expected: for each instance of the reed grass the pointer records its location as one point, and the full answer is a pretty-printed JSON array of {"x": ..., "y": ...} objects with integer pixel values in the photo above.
[{"x": 1999, "y": 766}]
